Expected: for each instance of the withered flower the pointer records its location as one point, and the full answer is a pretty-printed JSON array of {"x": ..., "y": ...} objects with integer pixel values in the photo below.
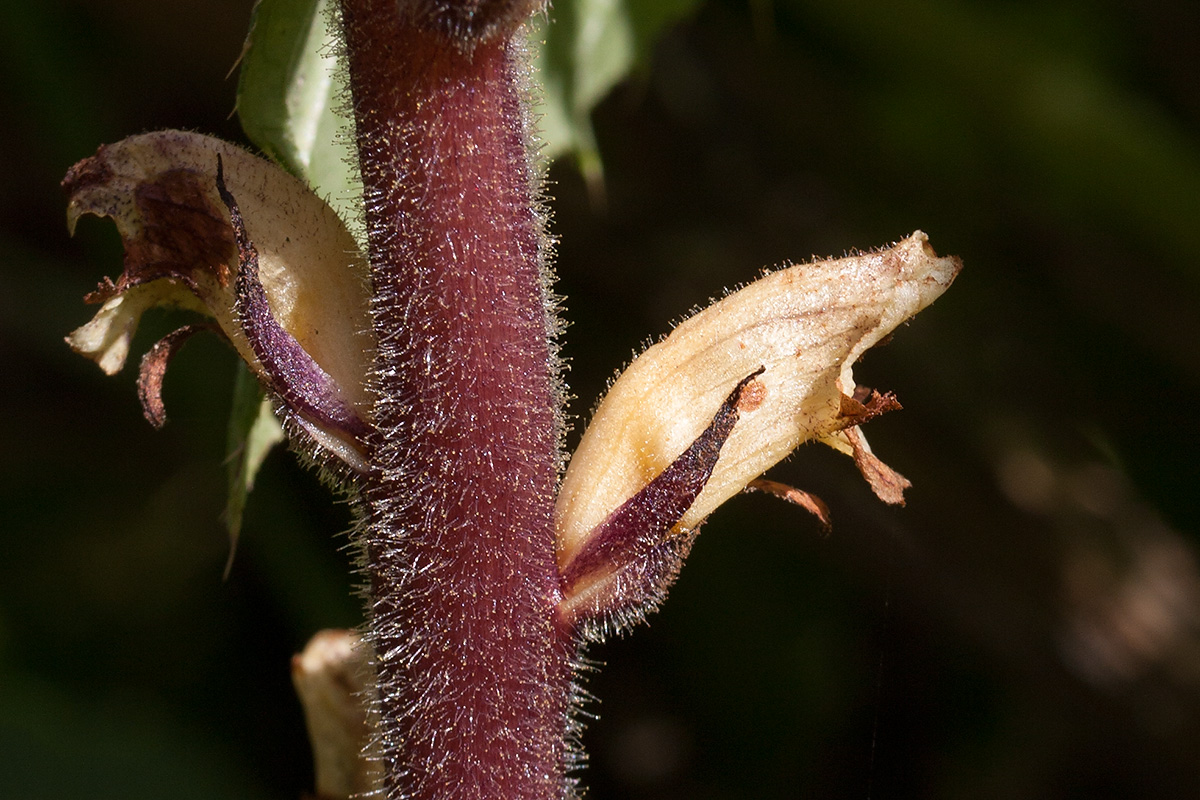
[
  {"x": 269, "y": 263},
  {"x": 733, "y": 390}
]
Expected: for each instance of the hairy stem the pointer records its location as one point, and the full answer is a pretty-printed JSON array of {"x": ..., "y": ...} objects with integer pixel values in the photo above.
[{"x": 474, "y": 672}]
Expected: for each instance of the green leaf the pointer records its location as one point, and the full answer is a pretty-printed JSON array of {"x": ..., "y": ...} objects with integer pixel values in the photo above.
[
  {"x": 292, "y": 86},
  {"x": 290, "y": 94},
  {"x": 588, "y": 47},
  {"x": 253, "y": 431}
]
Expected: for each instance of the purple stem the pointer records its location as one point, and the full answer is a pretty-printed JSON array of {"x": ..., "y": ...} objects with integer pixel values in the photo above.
[{"x": 474, "y": 670}]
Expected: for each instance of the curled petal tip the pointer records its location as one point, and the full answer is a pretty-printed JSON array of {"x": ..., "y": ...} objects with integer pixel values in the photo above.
[{"x": 154, "y": 368}]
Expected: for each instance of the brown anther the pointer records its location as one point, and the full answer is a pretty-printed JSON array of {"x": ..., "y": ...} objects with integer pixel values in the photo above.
[{"x": 752, "y": 396}]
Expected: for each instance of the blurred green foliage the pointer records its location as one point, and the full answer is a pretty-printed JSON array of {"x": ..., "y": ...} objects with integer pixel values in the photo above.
[{"x": 1029, "y": 626}]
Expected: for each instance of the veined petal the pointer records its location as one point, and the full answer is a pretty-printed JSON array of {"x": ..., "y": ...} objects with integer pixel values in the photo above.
[{"x": 806, "y": 325}]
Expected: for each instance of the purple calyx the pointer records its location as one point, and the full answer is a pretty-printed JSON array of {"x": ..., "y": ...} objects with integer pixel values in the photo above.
[
  {"x": 292, "y": 374},
  {"x": 632, "y": 557}
]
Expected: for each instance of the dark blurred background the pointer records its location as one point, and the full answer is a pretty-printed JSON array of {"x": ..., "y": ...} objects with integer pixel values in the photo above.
[{"x": 1027, "y": 627}]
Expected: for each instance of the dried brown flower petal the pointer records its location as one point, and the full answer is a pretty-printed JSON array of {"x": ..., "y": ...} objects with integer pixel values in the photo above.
[{"x": 154, "y": 368}]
